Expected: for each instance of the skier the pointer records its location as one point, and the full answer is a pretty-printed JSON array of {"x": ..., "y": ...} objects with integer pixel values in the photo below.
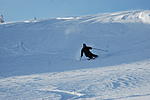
[{"x": 87, "y": 52}]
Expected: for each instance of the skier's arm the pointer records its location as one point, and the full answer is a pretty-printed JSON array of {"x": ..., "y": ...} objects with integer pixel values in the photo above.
[
  {"x": 89, "y": 47},
  {"x": 81, "y": 52}
]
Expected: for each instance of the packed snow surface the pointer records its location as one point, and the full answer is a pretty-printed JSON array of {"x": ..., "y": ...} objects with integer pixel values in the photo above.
[
  {"x": 40, "y": 59},
  {"x": 125, "y": 81}
]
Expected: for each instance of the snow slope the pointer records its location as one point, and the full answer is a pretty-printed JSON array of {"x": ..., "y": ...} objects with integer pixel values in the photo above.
[
  {"x": 39, "y": 60},
  {"x": 121, "y": 82}
]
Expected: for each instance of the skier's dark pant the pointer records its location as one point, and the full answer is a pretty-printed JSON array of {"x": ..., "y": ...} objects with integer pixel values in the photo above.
[{"x": 92, "y": 56}]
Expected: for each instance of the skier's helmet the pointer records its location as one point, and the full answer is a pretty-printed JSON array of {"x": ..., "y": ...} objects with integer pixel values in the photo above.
[{"x": 84, "y": 45}]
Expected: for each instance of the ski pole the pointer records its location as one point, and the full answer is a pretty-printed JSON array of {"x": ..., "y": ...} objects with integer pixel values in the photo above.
[{"x": 101, "y": 49}]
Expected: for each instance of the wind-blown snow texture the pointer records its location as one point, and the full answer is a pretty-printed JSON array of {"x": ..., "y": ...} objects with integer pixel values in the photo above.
[{"x": 39, "y": 60}]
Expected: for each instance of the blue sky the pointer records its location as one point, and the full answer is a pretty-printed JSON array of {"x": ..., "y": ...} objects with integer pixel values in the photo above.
[{"x": 16, "y": 10}]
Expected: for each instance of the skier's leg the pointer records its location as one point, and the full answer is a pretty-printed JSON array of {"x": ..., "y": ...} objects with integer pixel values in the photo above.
[
  {"x": 90, "y": 57},
  {"x": 95, "y": 56}
]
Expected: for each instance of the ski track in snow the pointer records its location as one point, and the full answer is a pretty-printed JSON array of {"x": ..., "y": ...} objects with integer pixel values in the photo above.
[{"x": 108, "y": 83}]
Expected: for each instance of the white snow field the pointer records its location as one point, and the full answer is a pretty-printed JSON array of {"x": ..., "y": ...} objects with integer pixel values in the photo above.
[{"x": 40, "y": 59}]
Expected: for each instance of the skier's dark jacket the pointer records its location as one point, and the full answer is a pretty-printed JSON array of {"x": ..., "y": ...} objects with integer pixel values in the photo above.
[{"x": 86, "y": 51}]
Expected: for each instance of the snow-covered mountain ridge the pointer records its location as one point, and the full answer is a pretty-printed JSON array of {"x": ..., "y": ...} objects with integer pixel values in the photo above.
[
  {"x": 141, "y": 16},
  {"x": 123, "y": 17}
]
